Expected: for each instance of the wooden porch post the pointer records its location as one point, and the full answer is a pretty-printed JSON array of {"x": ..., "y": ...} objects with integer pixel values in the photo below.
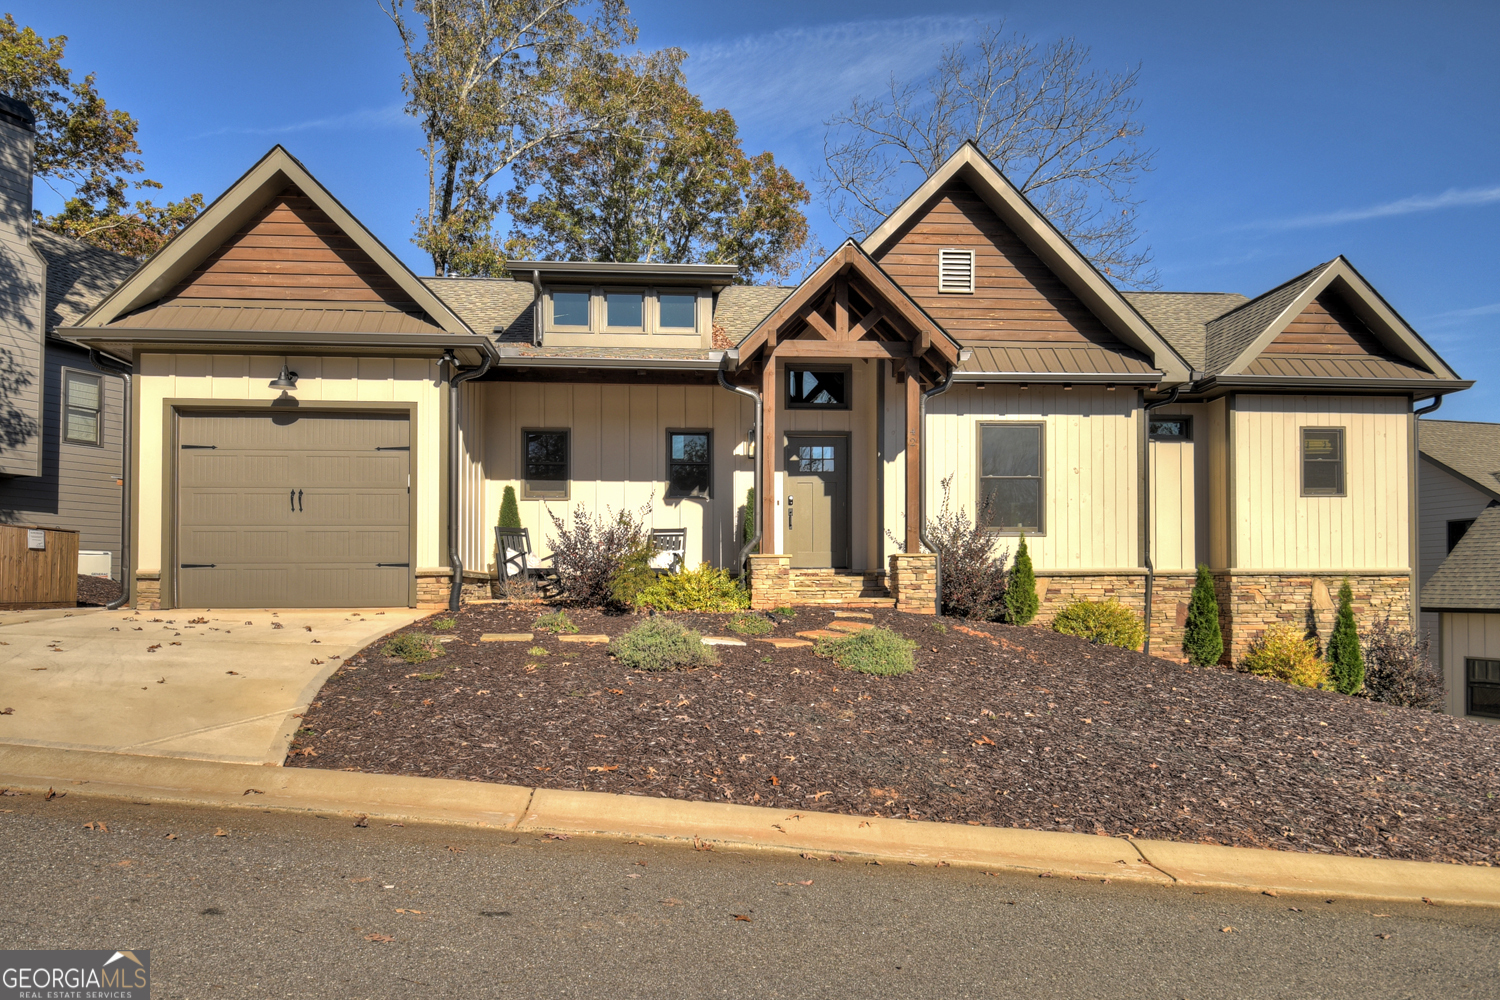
[
  {"x": 769, "y": 445},
  {"x": 913, "y": 457}
]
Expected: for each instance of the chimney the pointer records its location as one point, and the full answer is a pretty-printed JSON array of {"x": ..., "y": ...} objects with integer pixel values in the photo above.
[{"x": 23, "y": 298}]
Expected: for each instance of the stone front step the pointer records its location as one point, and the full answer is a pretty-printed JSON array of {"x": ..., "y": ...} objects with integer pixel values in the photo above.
[{"x": 839, "y": 588}]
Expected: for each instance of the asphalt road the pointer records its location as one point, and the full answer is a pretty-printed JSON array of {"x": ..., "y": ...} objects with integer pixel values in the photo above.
[{"x": 286, "y": 906}]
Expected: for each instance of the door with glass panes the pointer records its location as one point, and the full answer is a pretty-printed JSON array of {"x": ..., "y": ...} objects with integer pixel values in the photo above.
[{"x": 816, "y": 506}]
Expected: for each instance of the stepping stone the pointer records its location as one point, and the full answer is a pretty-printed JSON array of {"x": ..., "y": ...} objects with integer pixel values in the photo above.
[
  {"x": 852, "y": 614},
  {"x": 583, "y": 638},
  {"x": 722, "y": 640},
  {"x": 505, "y": 637},
  {"x": 786, "y": 643},
  {"x": 851, "y": 626},
  {"x": 821, "y": 633}
]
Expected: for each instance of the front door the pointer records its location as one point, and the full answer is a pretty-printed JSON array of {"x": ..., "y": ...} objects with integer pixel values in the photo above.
[{"x": 817, "y": 501}]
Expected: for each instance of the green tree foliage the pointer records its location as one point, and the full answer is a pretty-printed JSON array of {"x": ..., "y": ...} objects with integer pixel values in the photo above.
[
  {"x": 1346, "y": 664},
  {"x": 490, "y": 81},
  {"x": 87, "y": 147},
  {"x": 747, "y": 512},
  {"x": 1203, "y": 641},
  {"x": 1021, "y": 602},
  {"x": 668, "y": 182},
  {"x": 510, "y": 511}
]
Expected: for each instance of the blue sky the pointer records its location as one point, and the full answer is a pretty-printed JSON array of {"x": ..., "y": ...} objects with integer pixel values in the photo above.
[{"x": 1286, "y": 133}]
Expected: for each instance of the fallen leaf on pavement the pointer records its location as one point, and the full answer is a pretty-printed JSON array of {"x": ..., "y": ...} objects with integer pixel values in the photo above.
[
  {"x": 556, "y": 836},
  {"x": 252, "y": 791},
  {"x": 362, "y": 820},
  {"x": 458, "y": 850},
  {"x": 233, "y": 673},
  {"x": 170, "y": 836},
  {"x": 634, "y": 875},
  {"x": 382, "y": 938},
  {"x": 1226, "y": 930},
  {"x": 219, "y": 832},
  {"x": 1268, "y": 892},
  {"x": 739, "y": 916},
  {"x": 1383, "y": 937},
  {"x": 52, "y": 795},
  {"x": 418, "y": 912},
  {"x": 806, "y": 882}
]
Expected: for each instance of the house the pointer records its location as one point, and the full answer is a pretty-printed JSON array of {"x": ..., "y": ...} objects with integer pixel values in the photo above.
[
  {"x": 1460, "y": 565},
  {"x": 61, "y": 414},
  {"x": 318, "y": 425}
]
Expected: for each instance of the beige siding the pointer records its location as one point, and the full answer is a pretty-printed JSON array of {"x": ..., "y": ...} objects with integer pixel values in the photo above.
[
  {"x": 1276, "y": 528},
  {"x": 1091, "y": 466},
  {"x": 1179, "y": 494},
  {"x": 1464, "y": 636},
  {"x": 619, "y": 442},
  {"x": 230, "y": 378},
  {"x": 1220, "y": 496},
  {"x": 476, "y": 540}
]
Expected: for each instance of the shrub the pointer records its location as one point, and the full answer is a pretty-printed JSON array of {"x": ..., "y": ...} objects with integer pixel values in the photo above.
[
  {"x": 1285, "y": 653},
  {"x": 787, "y": 611},
  {"x": 413, "y": 647},
  {"x": 1021, "y": 603},
  {"x": 1346, "y": 664},
  {"x": 588, "y": 555},
  {"x": 556, "y": 622},
  {"x": 634, "y": 575},
  {"x": 750, "y": 624},
  {"x": 973, "y": 576},
  {"x": 1203, "y": 641},
  {"x": 1108, "y": 623},
  {"x": 444, "y": 624},
  {"x": 747, "y": 517},
  {"x": 1398, "y": 670},
  {"x": 703, "y": 589},
  {"x": 538, "y": 651},
  {"x": 876, "y": 651},
  {"x": 656, "y": 644},
  {"x": 510, "y": 511}
]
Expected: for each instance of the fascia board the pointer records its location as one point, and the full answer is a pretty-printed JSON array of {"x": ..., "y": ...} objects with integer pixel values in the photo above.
[
  {"x": 1292, "y": 385},
  {"x": 284, "y": 341}
]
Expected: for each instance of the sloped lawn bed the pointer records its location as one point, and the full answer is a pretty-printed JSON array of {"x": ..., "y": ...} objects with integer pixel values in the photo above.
[{"x": 1082, "y": 738}]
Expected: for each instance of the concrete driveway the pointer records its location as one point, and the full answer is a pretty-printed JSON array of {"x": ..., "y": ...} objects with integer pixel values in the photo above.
[{"x": 214, "y": 685}]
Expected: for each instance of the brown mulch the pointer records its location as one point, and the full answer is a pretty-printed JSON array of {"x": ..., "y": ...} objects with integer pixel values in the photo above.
[
  {"x": 998, "y": 726},
  {"x": 94, "y": 591}
]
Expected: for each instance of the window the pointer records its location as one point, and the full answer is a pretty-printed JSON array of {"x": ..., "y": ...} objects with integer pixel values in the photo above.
[
  {"x": 546, "y": 458},
  {"x": 1456, "y": 530},
  {"x": 1010, "y": 476},
  {"x": 1322, "y": 461},
  {"x": 689, "y": 465},
  {"x": 1171, "y": 428},
  {"x": 815, "y": 458},
  {"x": 81, "y": 408},
  {"x": 817, "y": 389},
  {"x": 624, "y": 310},
  {"x": 956, "y": 271},
  {"x": 1484, "y": 686},
  {"x": 570, "y": 309},
  {"x": 677, "y": 311}
]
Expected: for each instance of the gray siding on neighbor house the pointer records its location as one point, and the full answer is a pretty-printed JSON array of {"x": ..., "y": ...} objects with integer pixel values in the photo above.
[
  {"x": 1440, "y": 498},
  {"x": 80, "y": 488},
  {"x": 23, "y": 277}
]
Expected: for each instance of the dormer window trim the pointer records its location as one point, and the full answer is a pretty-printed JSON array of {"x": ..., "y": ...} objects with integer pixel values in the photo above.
[{"x": 651, "y": 325}]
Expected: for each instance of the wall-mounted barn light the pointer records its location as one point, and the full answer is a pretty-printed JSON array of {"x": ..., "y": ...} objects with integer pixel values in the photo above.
[{"x": 286, "y": 380}]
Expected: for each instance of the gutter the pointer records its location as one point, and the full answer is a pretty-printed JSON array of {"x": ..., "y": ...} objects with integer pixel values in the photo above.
[
  {"x": 756, "y": 465},
  {"x": 936, "y": 390},
  {"x": 1146, "y": 500},
  {"x": 455, "y": 561},
  {"x": 1422, "y": 386},
  {"x": 113, "y": 366},
  {"x": 509, "y": 359}
]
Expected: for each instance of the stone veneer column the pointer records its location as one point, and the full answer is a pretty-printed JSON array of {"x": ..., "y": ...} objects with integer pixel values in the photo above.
[
  {"x": 913, "y": 582},
  {"x": 770, "y": 581}
]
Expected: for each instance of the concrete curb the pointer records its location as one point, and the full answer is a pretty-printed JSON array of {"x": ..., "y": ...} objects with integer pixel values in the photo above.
[{"x": 516, "y": 809}]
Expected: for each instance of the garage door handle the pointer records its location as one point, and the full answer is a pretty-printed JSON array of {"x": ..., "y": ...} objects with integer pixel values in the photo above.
[
  {"x": 210, "y": 447},
  {"x": 382, "y": 565},
  {"x": 299, "y": 501},
  {"x": 291, "y": 498},
  {"x": 198, "y": 565}
]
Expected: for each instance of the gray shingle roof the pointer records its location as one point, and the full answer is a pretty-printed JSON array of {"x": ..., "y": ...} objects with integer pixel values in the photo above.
[
  {"x": 1469, "y": 579},
  {"x": 79, "y": 275},
  {"x": 1182, "y": 318},
  {"x": 1231, "y": 333},
  {"x": 742, "y": 307},
  {"x": 1470, "y": 449},
  {"x": 498, "y": 307}
]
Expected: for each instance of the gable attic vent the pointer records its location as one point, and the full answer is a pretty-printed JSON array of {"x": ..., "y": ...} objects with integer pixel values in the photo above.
[{"x": 956, "y": 271}]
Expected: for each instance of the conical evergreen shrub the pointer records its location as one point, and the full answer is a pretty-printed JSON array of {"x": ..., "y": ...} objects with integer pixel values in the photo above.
[
  {"x": 1346, "y": 664},
  {"x": 1203, "y": 642},
  {"x": 510, "y": 511},
  {"x": 1021, "y": 602}
]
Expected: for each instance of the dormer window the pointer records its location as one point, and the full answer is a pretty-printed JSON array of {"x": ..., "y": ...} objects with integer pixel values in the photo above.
[
  {"x": 625, "y": 310},
  {"x": 956, "y": 271},
  {"x": 677, "y": 310},
  {"x": 646, "y": 316},
  {"x": 570, "y": 308}
]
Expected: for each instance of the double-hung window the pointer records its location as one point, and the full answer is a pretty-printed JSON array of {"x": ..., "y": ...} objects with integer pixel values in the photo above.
[
  {"x": 1010, "y": 476},
  {"x": 1483, "y": 677},
  {"x": 1322, "y": 461},
  {"x": 689, "y": 464},
  {"x": 547, "y": 464},
  {"x": 83, "y": 405}
]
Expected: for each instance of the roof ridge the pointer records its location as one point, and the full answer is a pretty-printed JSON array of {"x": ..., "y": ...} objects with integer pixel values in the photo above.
[{"x": 1272, "y": 291}]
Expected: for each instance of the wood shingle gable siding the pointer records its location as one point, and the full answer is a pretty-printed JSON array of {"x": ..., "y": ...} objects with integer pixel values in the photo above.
[
  {"x": 1016, "y": 297},
  {"x": 292, "y": 251}
]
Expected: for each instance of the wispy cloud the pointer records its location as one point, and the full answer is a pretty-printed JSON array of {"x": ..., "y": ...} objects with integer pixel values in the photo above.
[
  {"x": 365, "y": 118},
  {"x": 1456, "y": 317},
  {"x": 1452, "y": 198}
]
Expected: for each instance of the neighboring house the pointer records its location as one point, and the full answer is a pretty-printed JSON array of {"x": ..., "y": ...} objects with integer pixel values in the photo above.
[
  {"x": 1129, "y": 436},
  {"x": 61, "y": 433},
  {"x": 1460, "y": 517}
]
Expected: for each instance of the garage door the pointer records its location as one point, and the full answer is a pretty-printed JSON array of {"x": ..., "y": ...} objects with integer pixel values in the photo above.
[{"x": 293, "y": 510}]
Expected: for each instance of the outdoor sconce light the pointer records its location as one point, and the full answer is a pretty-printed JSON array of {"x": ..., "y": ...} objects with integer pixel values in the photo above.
[{"x": 286, "y": 380}]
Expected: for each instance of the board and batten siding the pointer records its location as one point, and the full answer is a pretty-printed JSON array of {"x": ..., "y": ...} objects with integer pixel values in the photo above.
[
  {"x": 1440, "y": 498},
  {"x": 1179, "y": 494},
  {"x": 1276, "y": 528},
  {"x": 1465, "y": 635},
  {"x": 618, "y": 445},
  {"x": 1091, "y": 467},
  {"x": 227, "y": 378}
]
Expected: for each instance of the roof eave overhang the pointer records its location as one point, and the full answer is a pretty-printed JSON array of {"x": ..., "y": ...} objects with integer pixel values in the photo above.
[
  {"x": 126, "y": 343},
  {"x": 716, "y": 276},
  {"x": 1450, "y": 470},
  {"x": 1444, "y": 609},
  {"x": 1417, "y": 387},
  {"x": 711, "y": 363},
  {"x": 1063, "y": 378}
]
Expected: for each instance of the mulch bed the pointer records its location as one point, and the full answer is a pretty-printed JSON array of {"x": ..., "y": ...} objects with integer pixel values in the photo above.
[
  {"x": 1000, "y": 726},
  {"x": 94, "y": 591}
]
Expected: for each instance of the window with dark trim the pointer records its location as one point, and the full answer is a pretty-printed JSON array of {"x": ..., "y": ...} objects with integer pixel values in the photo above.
[
  {"x": 83, "y": 405},
  {"x": 1483, "y": 677},
  {"x": 689, "y": 464},
  {"x": 570, "y": 308},
  {"x": 817, "y": 388},
  {"x": 1456, "y": 531},
  {"x": 1322, "y": 461},
  {"x": 1171, "y": 428},
  {"x": 546, "y": 457},
  {"x": 1010, "y": 476}
]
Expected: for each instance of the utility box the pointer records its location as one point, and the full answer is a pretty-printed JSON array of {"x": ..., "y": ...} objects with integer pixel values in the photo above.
[
  {"x": 38, "y": 567},
  {"x": 96, "y": 562}
]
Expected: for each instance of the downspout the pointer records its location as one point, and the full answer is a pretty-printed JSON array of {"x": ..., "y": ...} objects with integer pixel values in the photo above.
[
  {"x": 1436, "y": 402},
  {"x": 936, "y": 390},
  {"x": 111, "y": 366},
  {"x": 455, "y": 561},
  {"x": 1146, "y": 539},
  {"x": 1413, "y": 527},
  {"x": 756, "y": 460}
]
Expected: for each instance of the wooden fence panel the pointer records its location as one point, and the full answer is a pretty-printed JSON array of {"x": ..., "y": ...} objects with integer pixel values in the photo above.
[{"x": 38, "y": 578}]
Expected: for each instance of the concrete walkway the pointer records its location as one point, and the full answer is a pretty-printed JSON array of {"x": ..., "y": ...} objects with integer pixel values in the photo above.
[{"x": 211, "y": 685}]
